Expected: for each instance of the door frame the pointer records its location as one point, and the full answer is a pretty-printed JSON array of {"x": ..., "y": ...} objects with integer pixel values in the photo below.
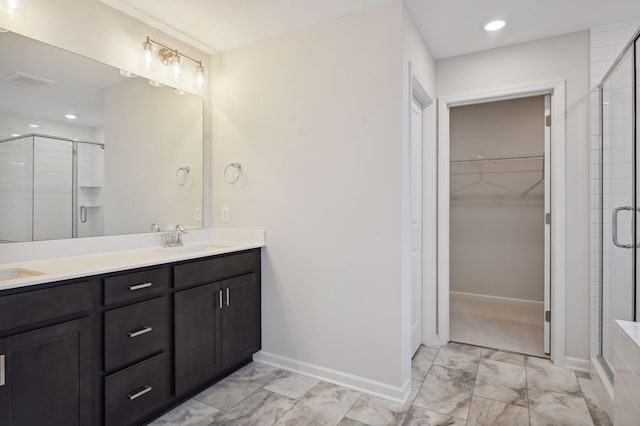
[
  {"x": 419, "y": 89},
  {"x": 557, "y": 90}
]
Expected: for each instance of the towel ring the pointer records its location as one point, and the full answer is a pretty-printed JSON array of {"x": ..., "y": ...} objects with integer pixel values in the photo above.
[
  {"x": 182, "y": 175},
  {"x": 233, "y": 179}
]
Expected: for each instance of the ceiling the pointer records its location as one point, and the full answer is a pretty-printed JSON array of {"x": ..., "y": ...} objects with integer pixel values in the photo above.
[
  {"x": 454, "y": 28},
  {"x": 450, "y": 27}
]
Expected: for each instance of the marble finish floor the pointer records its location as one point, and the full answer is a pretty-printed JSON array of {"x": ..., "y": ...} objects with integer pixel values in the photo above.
[
  {"x": 504, "y": 324},
  {"x": 455, "y": 384}
]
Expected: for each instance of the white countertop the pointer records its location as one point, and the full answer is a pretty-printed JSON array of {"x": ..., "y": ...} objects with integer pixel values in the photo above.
[
  {"x": 64, "y": 268},
  {"x": 631, "y": 329}
]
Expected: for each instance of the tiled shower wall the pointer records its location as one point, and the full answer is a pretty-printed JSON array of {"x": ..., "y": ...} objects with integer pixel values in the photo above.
[
  {"x": 606, "y": 43},
  {"x": 36, "y": 178}
]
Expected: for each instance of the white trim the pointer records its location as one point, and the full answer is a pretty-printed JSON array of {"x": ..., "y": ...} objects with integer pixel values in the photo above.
[
  {"x": 488, "y": 296},
  {"x": 134, "y": 12},
  {"x": 602, "y": 377},
  {"x": 340, "y": 378},
  {"x": 558, "y": 204},
  {"x": 577, "y": 364}
]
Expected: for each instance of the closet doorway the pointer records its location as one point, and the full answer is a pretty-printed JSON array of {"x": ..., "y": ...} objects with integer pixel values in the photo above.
[{"x": 500, "y": 238}]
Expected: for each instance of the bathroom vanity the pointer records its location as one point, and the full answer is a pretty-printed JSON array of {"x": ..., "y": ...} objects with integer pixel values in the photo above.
[{"x": 123, "y": 347}]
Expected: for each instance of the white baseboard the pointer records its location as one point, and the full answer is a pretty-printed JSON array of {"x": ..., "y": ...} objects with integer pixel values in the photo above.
[
  {"x": 487, "y": 296},
  {"x": 577, "y": 364},
  {"x": 340, "y": 378}
]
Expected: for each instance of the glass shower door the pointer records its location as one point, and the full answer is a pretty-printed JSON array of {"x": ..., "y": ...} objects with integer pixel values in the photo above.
[{"x": 618, "y": 173}]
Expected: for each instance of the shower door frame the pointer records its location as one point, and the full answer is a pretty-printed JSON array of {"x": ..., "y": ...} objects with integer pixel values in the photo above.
[
  {"x": 557, "y": 90},
  {"x": 633, "y": 46}
]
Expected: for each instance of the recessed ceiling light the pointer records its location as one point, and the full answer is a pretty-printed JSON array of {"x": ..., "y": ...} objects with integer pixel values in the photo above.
[
  {"x": 155, "y": 83},
  {"x": 179, "y": 91},
  {"x": 15, "y": 135},
  {"x": 128, "y": 74},
  {"x": 35, "y": 126},
  {"x": 71, "y": 116},
  {"x": 495, "y": 25}
]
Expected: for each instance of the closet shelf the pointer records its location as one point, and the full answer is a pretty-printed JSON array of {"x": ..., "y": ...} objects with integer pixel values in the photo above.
[{"x": 496, "y": 158}]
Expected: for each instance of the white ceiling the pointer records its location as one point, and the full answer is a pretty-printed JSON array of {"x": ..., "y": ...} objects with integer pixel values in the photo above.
[
  {"x": 453, "y": 28},
  {"x": 450, "y": 27}
]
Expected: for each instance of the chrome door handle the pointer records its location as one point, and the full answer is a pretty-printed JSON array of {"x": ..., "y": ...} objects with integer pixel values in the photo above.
[
  {"x": 145, "y": 330},
  {"x": 227, "y": 296},
  {"x": 3, "y": 376},
  {"x": 139, "y": 286},
  {"x": 139, "y": 393},
  {"x": 220, "y": 294},
  {"x": 614, "y": 226}
]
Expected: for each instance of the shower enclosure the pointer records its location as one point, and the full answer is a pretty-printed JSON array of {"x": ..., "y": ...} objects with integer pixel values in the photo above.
[
  {"x": 620, "y": 204},
  {"x": 50, "y": 188}
]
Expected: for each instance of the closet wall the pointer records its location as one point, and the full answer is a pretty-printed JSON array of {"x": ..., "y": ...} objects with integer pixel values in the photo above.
[{"x": 497, "y": 235}]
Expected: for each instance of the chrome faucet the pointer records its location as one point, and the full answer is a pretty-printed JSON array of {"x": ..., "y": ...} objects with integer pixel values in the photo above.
[{"x": 173, "y": 238}]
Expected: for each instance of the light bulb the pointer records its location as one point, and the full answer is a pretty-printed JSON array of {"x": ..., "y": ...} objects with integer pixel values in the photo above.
[
  {"x": 148, "y": 60},
  {"x": 176, "y": 73},
  {"x": 15, "y": 8},
  {"x": 201, "y": 82}
]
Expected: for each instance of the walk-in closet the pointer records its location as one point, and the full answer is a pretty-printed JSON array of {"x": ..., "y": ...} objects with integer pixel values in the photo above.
[{"x": 499, "y": 241}]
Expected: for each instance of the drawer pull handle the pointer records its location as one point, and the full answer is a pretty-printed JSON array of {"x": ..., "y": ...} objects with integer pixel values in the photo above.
[
  {"x": 3, "y": 377},
  {"x": 141, "y": 392},
  {"x": 140, "y": 286},
  {"x": 145, "y": 330}
]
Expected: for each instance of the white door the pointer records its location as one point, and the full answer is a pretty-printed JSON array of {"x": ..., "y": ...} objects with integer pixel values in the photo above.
[
  {"x": 547, "y": 227},
  {"x": 416, "y": 224}
]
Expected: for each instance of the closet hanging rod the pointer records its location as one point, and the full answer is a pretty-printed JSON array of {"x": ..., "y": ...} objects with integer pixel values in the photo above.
[{"x": 508, "y": 157}]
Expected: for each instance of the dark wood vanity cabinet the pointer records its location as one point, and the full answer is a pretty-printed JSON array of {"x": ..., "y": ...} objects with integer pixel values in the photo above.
[{"x": 123, "y": 348}]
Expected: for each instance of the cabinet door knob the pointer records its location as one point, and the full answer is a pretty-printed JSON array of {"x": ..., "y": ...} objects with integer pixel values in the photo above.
[
  {"x": 140, "y": 332},
  {"x": 138, "y": 394},
  {"x": 227, "y": 296},
  {"x": 3, "y": 376},
  {"x": 139, "y": 286}
]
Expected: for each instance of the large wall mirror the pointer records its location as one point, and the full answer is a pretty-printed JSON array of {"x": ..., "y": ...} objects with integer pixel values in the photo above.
[{"x": 86, "y": 150}]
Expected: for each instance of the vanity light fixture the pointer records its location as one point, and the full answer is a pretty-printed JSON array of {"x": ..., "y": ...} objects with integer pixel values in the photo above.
[
  {"x": 71, "y": 116},
  {"x": 494, "y": 25},
  {"x": 153, "y": 51}
]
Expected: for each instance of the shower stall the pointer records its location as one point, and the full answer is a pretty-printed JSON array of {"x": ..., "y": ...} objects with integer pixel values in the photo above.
[
  {"x": 50, "y": 188},
  {"x": 619, "y": 202}
]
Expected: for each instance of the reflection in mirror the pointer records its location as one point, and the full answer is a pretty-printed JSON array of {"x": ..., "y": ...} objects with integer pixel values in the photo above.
[{"x": 86, "y": 150}]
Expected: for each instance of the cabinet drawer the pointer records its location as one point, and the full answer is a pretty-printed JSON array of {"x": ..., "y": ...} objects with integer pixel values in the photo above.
[
  {"x": 214, "y": 269},
  {"x": 42, "y": 305},
  {"x": 133, "y": 332},
  {"x": 135, "y": 285},
  {"x": 136, "y": 392}
]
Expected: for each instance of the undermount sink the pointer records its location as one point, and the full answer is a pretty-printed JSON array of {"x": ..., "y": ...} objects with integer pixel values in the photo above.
[
  {"x": 15, "y": 273},
  {"x": 193, "y": 248}
]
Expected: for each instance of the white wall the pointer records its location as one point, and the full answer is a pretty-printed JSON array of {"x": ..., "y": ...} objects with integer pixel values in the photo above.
[
  {"x": 497, "y": 235},
  {"x": 149, "y": 133},
  {"x": 558, "y": 58},
  {"x": 315, "y": 118}
]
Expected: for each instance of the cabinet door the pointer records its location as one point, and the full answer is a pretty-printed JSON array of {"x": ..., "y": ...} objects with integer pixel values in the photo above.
[
  {"x": 240, "y": 319},
  {"x": 47, "y": 378},
  {"x": 197, "y": 337}
]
